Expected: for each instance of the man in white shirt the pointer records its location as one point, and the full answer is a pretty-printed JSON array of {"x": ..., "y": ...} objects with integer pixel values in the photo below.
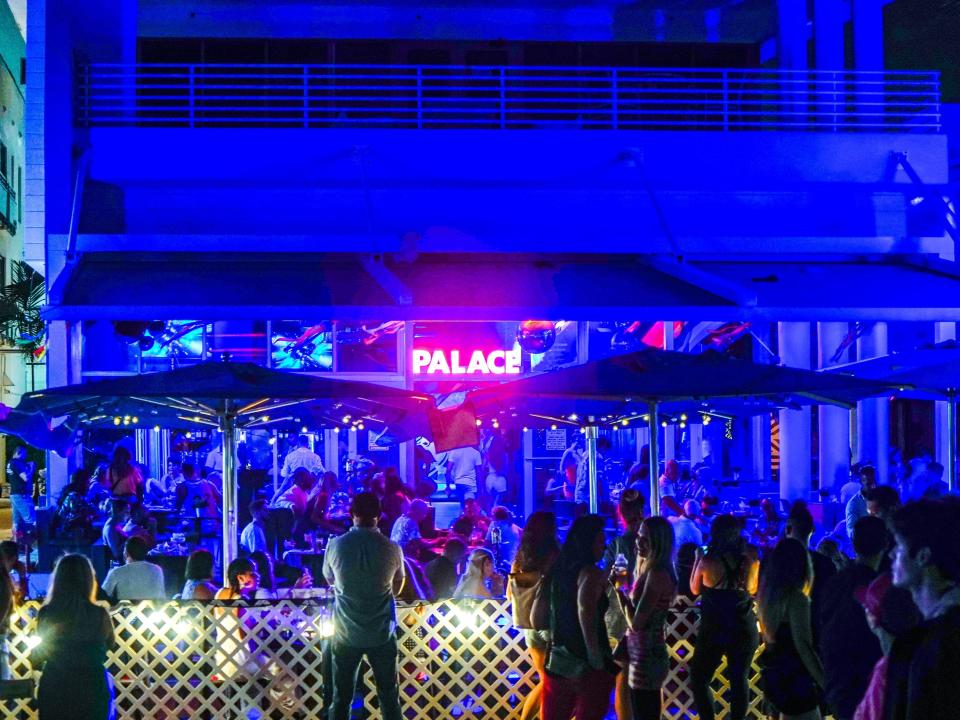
[
  {"x": 301, "y": 457},
  {"x": 463, "y": 467},
  {"x": 214, "y": 461},
  {"x": 136, "y": 579},
  {"x": 685, "y": 527},
  {"x": 254, "y": 535}
]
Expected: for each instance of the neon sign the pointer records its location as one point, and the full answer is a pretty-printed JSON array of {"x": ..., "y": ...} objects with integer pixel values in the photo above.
[{"x": 441, "y": 362}]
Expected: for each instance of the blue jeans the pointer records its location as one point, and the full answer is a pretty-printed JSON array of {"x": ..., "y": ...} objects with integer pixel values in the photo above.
[
  {"x": 346, "y": 667},
  {"x": 24, "y": 513}
]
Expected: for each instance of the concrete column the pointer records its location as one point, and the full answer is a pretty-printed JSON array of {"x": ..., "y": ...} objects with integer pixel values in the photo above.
[
  {"x": 873, "y": 416},
  {"x": 792, "y": 34},
  {"x": 669, "y": 432},
  {"x": 696, "y": 441},
  {"x": 795, "y": 447},
  {"x": 867, "y": 34},
  {"x": 834, "y": 422},
  {"x": 331, "y": 451},
  {"x": 828, "y": 17},
  {"x": 59, "y": 373},
  {"x": 942, "y": 332},
  {"x": 760, "y": 455}
]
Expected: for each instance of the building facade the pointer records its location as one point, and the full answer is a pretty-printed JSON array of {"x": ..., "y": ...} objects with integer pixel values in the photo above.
[
  {"x": 261, "y": 171},
  {"x": 15, "y": 361}
]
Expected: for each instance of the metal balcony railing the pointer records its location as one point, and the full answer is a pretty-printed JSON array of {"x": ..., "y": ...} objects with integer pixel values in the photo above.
[{"x": 504, "y": 97}]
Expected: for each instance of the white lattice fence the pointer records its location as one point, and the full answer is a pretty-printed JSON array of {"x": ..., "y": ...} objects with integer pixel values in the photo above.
[{"x": 192, "y": 660}]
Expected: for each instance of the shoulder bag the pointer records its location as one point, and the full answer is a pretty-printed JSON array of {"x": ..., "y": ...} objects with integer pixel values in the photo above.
[
  {"x": 560, "y": 661},
  {"x": 523, "y": 589}
]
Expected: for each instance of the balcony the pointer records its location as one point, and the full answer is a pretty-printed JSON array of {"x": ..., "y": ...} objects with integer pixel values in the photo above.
[{"x": 427, "y": 97}]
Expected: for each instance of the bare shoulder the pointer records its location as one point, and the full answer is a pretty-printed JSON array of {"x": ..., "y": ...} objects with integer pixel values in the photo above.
[{"x": 590, "y": 574}]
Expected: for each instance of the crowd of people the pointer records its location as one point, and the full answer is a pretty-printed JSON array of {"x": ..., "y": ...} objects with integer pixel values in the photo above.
[{"x": 865, "y": 626}]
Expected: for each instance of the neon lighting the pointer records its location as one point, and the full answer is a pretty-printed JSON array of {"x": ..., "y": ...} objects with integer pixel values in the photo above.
[{"x": 441, "y": 362}]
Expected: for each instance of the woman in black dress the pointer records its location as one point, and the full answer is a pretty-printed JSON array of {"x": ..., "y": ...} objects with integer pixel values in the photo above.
[
  {"x": 75, "y": 634},
  {"x": 791, "y": 674}
]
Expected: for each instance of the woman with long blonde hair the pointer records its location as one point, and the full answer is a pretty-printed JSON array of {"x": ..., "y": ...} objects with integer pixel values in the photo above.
[
  {"x": 473, "y": 584},
  {"x": 75, "y": 634},
  {"x": 645, "y": 609},
  {"x": 791, "y": 676}
]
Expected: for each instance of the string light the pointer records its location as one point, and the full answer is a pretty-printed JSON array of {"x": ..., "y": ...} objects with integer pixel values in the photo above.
[
  {"x": 573, "y": 417},
  {"x": 553, "y": 427},
  {"x": 336, "y": 429},
  {"x": 683, "y": 416},
  {"x": 664, "y": 423},
  {"x": 116, "y": 421},
  {"x": 625, "y": 422},
  {"x": 526, "y": 429}
]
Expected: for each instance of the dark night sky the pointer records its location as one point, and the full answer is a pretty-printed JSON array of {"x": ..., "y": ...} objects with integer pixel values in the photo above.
[{"x": 925, "y": 35}]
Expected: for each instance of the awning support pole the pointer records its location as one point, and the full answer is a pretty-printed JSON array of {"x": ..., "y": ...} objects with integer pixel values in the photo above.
[
  {"x": 653, "y": 422},
  {"x": 592, "y": 432},
  {"x": 952, "y": 441},
  {"x": 229, "y": 446}
]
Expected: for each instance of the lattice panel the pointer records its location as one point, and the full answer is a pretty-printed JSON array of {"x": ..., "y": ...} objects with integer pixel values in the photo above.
[
  {"x": 460, "y": 659},
  {"x": 191, "y": 660}
]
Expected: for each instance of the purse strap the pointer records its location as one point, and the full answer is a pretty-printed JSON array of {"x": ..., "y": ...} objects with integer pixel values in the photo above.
[{"x": 551, "y": 599}]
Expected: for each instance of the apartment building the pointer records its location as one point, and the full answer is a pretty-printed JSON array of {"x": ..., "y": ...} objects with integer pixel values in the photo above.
[
  {"x": 16, "y": 361},
  {"x": 226, "y": 176}
]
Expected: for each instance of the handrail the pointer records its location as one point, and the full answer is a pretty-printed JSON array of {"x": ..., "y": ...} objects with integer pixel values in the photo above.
[{"x": 504, "y": 97}]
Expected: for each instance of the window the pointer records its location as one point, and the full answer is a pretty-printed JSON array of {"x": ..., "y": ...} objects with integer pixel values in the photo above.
[
  {"x": 3, "y": 271},
  {"x": 20, "y": 195},
  {"x": 3, "y": 159}
]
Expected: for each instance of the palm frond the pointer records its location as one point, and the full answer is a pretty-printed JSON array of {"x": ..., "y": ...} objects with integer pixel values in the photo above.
[{"x": 20, "y": 303}]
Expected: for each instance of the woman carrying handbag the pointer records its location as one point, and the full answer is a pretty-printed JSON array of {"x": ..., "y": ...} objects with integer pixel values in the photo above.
[
  {"x": 580, "y": 671},
  {"x": 536, "y": 554}
]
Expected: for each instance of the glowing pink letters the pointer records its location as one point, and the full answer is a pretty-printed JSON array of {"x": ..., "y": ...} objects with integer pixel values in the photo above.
[{"x": 440, "y": 362}]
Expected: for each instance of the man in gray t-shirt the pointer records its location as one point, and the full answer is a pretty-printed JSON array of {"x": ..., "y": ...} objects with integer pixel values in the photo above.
[
  {"x": 137, "y": 579},
  {"x": 365, "y": 570}
]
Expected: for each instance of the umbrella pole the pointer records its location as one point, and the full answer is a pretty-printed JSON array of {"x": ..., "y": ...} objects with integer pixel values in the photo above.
[
  {"x": 276, "y": 461},
  {"x": 653, "y": 422},
  {"x": 592, "y": 432},
  {"x": 229, "y": 440},
  {"x": 952, "y": 441}
]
